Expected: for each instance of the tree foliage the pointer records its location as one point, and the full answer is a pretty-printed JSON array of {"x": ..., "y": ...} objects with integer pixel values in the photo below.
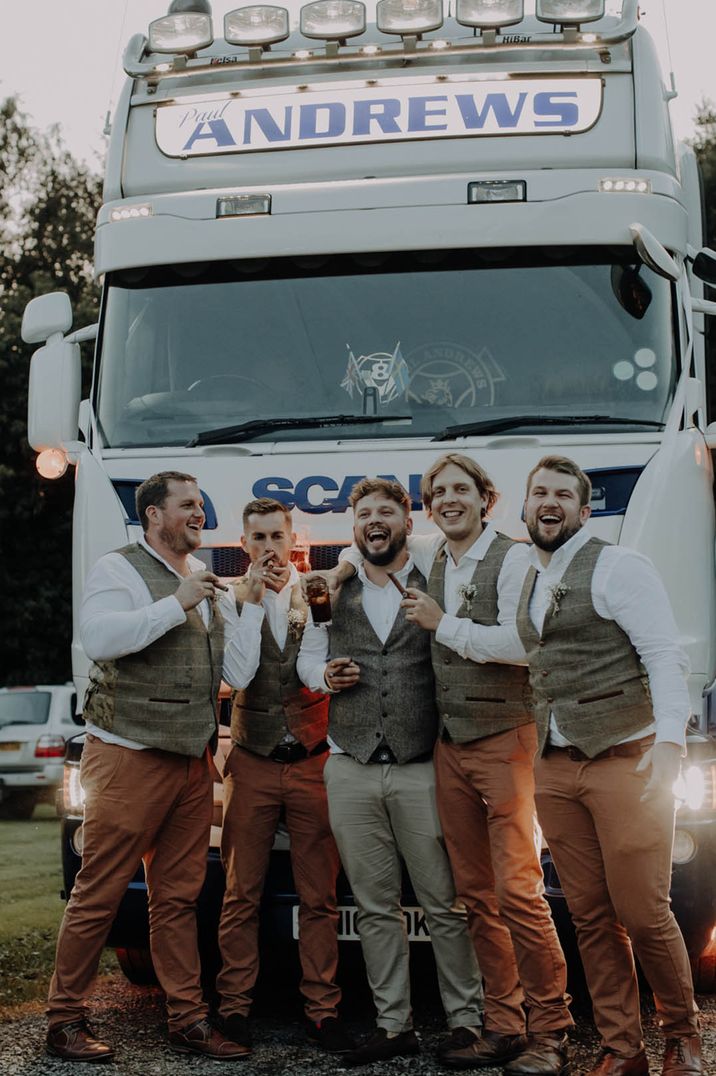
[{"x": 48, "y": 205}]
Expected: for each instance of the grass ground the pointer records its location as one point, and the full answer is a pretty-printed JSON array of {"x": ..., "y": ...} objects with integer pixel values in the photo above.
[{"x": 30, "y": 884}]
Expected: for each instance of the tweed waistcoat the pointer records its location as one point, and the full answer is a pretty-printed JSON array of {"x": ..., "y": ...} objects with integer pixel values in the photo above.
[
  {"x": 164, "y": 696},
  {"x": 394, "y": 700},
  {"x": 583, "y": 668},
  {"x": 276, "y": 702},
  {"x": 476, "y": 700}
]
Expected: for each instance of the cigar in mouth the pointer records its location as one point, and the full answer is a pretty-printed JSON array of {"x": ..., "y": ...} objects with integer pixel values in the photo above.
[{"x": 396, "y": 583}]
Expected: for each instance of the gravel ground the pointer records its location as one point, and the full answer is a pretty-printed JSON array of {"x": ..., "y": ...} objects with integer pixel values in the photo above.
[{"x": 132, "y": 1019}]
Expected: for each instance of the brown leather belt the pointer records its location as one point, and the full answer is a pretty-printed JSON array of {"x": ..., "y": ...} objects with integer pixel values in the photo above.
[{"x": 619, "y": 750}]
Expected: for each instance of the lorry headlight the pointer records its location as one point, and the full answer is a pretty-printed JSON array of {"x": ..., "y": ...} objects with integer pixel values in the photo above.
[
  {"x": 260, "y": 24},
  {"x": 409, "y": 16},
  {"x": 695, "y": 788},
  {"x": 183, "y": 32},
  {"x": 684, "y": 848},
  {"x": 569, "y": 12},
  {"x": 489, "y": 14},
  {"x": 333, "y": 20}
]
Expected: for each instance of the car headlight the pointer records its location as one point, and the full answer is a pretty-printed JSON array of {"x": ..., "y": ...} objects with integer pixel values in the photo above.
[
  {"x": 73, "y": 794},
  {"x": 695, "y": 788}
]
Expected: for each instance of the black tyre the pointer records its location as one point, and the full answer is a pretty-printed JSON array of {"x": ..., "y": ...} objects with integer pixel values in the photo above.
[
  {"x": 19, "y": 805},
  {"x": 137, "y": 966}
]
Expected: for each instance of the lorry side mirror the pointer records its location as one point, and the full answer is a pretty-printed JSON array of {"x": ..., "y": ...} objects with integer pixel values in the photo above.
[
  {"x": 54, "y": 394},
  {"x": 45, "y": 316},
  {"x": 705, "y": 266},
  {"x": 631, "y": 292}
]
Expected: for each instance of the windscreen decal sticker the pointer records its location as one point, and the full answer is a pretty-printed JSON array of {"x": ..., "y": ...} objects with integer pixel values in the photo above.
[
  {"x": 397, "y": 110},
  {"x": 448, "y": 375},
  {"x": 388, "y": 375}
]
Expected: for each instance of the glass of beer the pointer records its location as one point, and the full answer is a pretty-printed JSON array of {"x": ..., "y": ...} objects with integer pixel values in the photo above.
[{"x": 319, "y": 599}]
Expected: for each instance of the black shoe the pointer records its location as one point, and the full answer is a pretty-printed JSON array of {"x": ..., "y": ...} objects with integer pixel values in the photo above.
[
  {"x": 235, "y": 1027},
  {"x": 75, "y": 1041},
  {"x": 331, "y": 1035},
  {"x": 378, "y": 1047},
  {"x": 544, "y": 1055},
  {"x": 490, "y": 1049}
]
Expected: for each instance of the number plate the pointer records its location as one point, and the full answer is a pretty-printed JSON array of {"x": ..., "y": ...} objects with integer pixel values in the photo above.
[
  {"x": 415, "y": 923},
  {"x": 10, "y": 746}
]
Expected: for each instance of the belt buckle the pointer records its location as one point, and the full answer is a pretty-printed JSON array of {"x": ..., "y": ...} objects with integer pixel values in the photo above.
[{"x": 384, "y": 756}]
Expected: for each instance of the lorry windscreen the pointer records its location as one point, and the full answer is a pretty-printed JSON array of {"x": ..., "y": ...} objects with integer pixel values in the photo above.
[{"x": 444, "y": 337}]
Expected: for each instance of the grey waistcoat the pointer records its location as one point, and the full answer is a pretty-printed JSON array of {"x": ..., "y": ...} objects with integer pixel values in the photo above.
[
  {"x": 476, "y": 700},
  {"x": 583, "y": 668},
  {"x": 276, "y": 702},
  {"x": 394, "y": 699},
  {"x": 164, "y": 696}
]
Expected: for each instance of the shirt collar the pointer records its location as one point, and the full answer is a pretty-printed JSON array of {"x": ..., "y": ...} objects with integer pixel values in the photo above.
[
  {"x": 402, "y": 574},
  {"x": 478, "y": 549},
  {"x": 563, "y": 557}
]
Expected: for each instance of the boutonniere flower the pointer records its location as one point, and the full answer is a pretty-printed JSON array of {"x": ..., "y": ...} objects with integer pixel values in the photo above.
[
  {"x": 297, "y": 613},
  {"x": 558, "y": 591},
  {"x": 468, "y": 592}
]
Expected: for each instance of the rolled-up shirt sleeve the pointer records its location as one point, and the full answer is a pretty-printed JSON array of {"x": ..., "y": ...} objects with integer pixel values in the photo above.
[
  {"x": 313, "y": 657},
  {"x": 114, "y": 620},
  {"x": 499, "y": 642},
  {"x": 634, "y": 596}
]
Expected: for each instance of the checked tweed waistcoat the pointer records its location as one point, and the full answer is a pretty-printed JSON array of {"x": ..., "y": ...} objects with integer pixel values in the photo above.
[
  {"x": 276, "y": 702},
  {"x": 166, "y": 695},
  {"x": 476, "y": 700},
  {"x": 583, "y": 668},
  {"x": 394, "y": 700}
]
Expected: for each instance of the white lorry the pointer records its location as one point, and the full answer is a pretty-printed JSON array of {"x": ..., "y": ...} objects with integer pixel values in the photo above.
[{"x": 344, "y": 250}]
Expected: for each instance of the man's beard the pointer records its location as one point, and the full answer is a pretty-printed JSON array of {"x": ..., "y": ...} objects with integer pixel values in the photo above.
[
  {"x": 394, "y": 547},
  {"x": 176, "y": 541},
  {"x": 551, "y": 545}
]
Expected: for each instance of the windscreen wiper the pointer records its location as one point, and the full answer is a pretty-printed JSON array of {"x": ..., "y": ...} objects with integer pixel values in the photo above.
[
  {"x": 228, "y": 435},
  {"x": 511, "y": 422}
]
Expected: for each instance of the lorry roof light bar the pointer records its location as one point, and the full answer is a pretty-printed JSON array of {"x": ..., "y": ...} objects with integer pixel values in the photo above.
[
  {"x": 183, "y": 32},
  {"x": 131, "y": 212},
  {"x": 489, "y": 14},
  {"x": 408, "y": 16},
  {"x": 569, "y": 12},
  {"x": 259, "y": 24},
  {"x": 482, "y": 192},
  {"x": 243, "y": 205},
  {"x": 625, "y": 185},
  {"x": 333, "y": 20}
]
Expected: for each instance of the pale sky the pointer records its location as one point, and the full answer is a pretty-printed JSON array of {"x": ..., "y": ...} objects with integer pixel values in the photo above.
[{"x": 63, "y": 57}]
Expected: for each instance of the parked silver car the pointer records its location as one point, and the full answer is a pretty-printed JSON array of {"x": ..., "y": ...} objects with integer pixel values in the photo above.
[{"x": 35, "y": 723}]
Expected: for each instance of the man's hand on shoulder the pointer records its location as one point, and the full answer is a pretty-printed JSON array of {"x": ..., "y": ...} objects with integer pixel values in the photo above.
[
  {"x": 196, "y": 587},
  {"x": 665, "y": 762},
  {"x": 421, "y": 609}
]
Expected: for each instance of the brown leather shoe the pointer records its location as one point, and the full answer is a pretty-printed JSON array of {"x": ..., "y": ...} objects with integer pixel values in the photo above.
[
  {"x": 683, "y": 1056},
  {"x": 608, "y": 1064},
  {"x": 75, "y": 1041},
  {"x": 490, "y": 1049},
  {"x": 201, "y": 1038},
  {"x": 544, "y": 1055}
]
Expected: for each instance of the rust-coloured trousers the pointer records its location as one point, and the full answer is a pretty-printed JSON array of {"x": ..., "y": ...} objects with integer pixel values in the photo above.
[
  {"x": 485, "y": 793},
  {"x": 146, "y": 805},
  {"x": 256, "y": 789}
]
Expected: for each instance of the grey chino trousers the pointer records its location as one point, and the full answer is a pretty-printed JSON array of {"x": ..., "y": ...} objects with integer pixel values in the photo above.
[{"x": 380, "y": 813}]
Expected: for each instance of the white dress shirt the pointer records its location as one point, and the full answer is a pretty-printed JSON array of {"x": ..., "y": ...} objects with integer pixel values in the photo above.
[
  {"x": 380, "y": 604},
  {"x": 118, "y": 617}
]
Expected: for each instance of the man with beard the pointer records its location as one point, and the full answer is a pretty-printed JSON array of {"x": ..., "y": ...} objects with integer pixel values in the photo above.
[
  {"x": 278, "y": 728},
  {"x": 153, "y": 621},
  {"x": 611, "y": 706},
  {"x": 380, "y": 779}
]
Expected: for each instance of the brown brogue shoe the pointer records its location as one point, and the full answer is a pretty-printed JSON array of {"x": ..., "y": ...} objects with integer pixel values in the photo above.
[
  {"x": 683, "y": 1056},
  {"x": 544, "y": 1055},
  {"x": 490, "y": 1049},
  {"x": 608, "y": 1064},
  {"x": 75, "y": 1041},
  {"x": 203, "y": 1039}
]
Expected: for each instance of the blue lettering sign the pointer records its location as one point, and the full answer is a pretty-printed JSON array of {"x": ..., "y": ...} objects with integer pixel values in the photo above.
[
  {"x": 336, "y": 117},
  {"x": 475, "y": 118},
  {"x": 278, "y": 488},
  {"x": 419, "y": 114},
  {"x": 303, "y": 490},
  {"x": 218, "y": 132},
  {"x": 553, "y": 104},
  {"x": 283, "y": 490},
  {"x": 385, "y": 113},
  {"x": 267, "y": 125}
]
